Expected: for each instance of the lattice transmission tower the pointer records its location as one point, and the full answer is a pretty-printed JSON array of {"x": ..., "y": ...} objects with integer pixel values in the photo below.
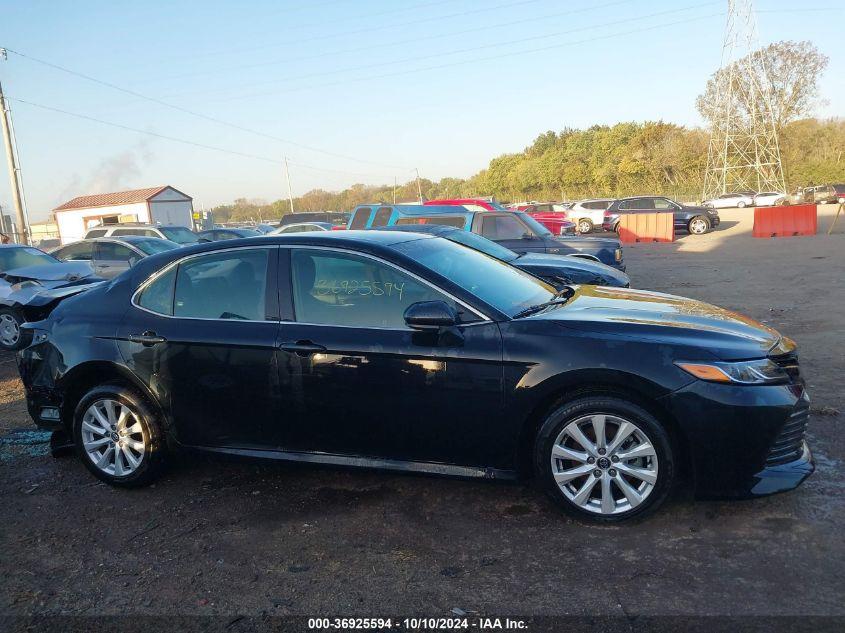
[{"x": 743, "y": 153}]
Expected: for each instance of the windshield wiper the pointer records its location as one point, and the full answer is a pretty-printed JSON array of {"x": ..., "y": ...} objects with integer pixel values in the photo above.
[{"x": 560, "y": 298}]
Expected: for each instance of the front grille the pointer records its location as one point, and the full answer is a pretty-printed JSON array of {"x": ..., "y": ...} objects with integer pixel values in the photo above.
[{"x": 787, "y": 445}]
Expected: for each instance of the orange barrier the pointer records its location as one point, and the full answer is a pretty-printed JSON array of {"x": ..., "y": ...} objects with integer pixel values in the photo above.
[
  {"x": 799, "y": 219},
  {"x": 646, "y": 227}
]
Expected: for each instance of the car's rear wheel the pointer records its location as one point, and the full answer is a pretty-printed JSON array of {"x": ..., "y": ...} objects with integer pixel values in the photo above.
[
  {"x": 11, "y": 336},
  {"x": 604, "y": 459},
  {"x": 585, "y": 225},
  {"x": 740, "y": 204},
  {"x": 118, "y": 436},
  {"x": 699, "y": 225}
]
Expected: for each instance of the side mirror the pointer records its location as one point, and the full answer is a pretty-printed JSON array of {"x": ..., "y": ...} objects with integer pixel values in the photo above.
[{"x": 430, "y": 315}]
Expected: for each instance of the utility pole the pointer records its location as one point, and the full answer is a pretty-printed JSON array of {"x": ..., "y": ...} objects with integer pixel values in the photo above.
[
  {"x": 14, "y": 169},
  {"x": 419, "y": 189},
  {"x": 290, "y": 191}
]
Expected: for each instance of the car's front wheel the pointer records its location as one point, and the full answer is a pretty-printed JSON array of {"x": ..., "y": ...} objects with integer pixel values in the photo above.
[
  {"x": 740, "y": 204},
  {"x": 585, "y": 225},
  {"x": 699, "y": 225},
  {"x": 118, "y": 436},
  {"x": 11, "y": 336},
  {"x": 604, "y": 459}
]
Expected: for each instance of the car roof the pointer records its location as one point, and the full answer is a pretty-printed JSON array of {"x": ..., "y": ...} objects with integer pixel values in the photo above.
[{"x": 17, "y": 246}]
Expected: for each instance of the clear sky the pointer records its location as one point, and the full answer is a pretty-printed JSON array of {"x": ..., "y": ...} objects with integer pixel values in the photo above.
[{"x": 380, "y": 87}]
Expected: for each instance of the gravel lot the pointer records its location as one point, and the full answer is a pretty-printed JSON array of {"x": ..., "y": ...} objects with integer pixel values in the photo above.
[{"x": 226, "y": 538}]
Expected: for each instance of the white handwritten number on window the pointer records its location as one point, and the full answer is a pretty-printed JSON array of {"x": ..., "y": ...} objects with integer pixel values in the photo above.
[{"x": 325, "y": 287}]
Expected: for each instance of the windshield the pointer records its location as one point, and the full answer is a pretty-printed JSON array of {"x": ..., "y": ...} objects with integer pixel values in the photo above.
[
  {"x": 504, "y": 287},
  {"x": 538, "y": 228},
  {"x": 488, "y": 247},
  {"x": 153, "y": 246},
  {"x": 11, "y": 258},
  {"x": 179, "y": 234}
]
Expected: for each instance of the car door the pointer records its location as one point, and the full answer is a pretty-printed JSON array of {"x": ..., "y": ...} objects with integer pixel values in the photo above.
[
  {"x": 355, "y": 380},
  {"x": 202, "y": 333},
  {"x": 509, "y": 231},
  {"x": 113, "y": 258}
]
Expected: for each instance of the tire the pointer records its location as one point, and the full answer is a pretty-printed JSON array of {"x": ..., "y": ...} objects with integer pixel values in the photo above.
[
  {"x": 740, "y": 204},
  {"x": 585, "y": 225},
  {"x": 699, "y": 225},
  {"x": 645, "y": 434},
  {"x": 146, "y": 446},
  {"x": 11, "y": 336}
]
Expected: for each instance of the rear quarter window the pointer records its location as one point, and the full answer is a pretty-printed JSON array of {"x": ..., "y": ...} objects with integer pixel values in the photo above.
[
  {"x": 360, "y": 217},
  {"x": 444, "y": 220}
]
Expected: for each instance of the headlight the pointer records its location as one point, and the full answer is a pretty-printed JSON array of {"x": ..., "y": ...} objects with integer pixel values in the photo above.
[
  {"x": 748, "y": 372},
  {"x": 618, "y": 254},
  {"x": 26, "y": 283}
]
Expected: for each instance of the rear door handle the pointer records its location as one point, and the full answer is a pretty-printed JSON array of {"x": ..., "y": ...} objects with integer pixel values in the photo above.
[
  {"x": 302, "y": 348},
  {"x": 147, "y": 339}
]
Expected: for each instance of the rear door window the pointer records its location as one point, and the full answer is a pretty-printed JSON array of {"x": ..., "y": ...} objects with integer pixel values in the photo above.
[
  {"x": 114, "y": 252},
  {"x": 80, "y": 252},
  {"x": 230, "y": 285},
  {"x": 360, "y": 218},
  {"x": 503, "y": 227},
  {"x": 95, "y": 233},
  {"x": 382, "y": 216},
  {"x": 662, "y": 204}
]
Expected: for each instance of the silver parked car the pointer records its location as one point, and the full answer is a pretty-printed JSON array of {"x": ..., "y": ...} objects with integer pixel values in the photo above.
[
  {"x": 769, "y": 199},
  {"x": 110, "y": 256},
  {"x": 739, "y": 200}
]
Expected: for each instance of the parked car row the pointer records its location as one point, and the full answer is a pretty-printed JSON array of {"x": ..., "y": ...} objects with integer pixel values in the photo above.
[{"x": 418, "y": 347}]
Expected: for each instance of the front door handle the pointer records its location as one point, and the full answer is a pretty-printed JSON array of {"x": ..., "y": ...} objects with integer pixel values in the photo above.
[
  {"x": 147, "y": 339},
  {"x": 302, "y": 348}
]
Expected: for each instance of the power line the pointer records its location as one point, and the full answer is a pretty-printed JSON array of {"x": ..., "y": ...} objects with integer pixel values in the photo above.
[
  {"x": 375, "y": 45},
  {"x": 382, "y": 27},
  {"x": 192, "y": 143},
  {"x": 479, "y": 59},
  {"x": 198, "y": 114},
  {"x": 369, "y": 47},
  {"x": 496, "y": 44}
]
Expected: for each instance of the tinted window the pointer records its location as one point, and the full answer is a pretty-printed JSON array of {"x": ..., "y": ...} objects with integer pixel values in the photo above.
[
  {"x": 112, "y": 251},
  {"x": 158, "y": 295},
  {"x": 229, "y": 285},
  {"x": 640, "y": 204},
  {"x": 332, "y": 288},
  {"x": 482, "y": 244},
  {"x": 128, "y": 231},
  {"x": 499, "y": 284},
  {"x": 439, "y": 220},
  {"x": 382, "y": 216},
  {"x": 11, "y": 258},
  {"x": 662, "y": 204},
  {"x": 360, "y": 217},
  {"x": 502, "y": 227},
  {"x": 81, "y": 251},
  {"x": 96, "y": 233}
]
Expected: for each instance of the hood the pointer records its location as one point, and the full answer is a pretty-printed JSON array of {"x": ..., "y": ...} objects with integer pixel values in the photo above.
[
  {"x": 538, "y": 261},
  {"x": 62, "y": 271},
  {"x": 652, "y": 316}
]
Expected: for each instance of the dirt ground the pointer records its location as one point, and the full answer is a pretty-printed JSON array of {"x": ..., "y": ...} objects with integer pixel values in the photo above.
[{"x": 226, "y": 538}]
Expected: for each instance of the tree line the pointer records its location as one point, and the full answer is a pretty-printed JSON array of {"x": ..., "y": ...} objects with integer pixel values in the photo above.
[{"x": 602, "y": 161}]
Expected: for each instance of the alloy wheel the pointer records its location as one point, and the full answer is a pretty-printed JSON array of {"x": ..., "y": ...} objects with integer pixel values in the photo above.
[
  {"x": 698, "y": 226},
  {"x": 585, "y": 226},
  {"x": 604, "y": 464},
  {"x": 113, "y": 437},
  {"x": 10, "y": 330}
]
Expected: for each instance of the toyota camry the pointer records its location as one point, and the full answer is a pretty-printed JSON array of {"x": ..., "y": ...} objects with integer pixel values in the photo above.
[{"x": 409, "y": 352}]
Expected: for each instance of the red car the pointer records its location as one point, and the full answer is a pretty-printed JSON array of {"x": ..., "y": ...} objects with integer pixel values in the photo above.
[{"x": 556, "y": 223}]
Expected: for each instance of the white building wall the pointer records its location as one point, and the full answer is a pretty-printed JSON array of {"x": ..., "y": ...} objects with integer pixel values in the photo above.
[
  {"x": 73, "y": 223},
  {"x": 176, "y": 213}
]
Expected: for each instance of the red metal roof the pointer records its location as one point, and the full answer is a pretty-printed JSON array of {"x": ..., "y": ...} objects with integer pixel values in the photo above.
[{"x": 116, "y": 198}]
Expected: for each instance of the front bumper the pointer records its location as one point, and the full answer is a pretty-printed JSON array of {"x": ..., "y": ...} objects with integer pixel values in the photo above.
[{"x": 744, "y": 441}]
